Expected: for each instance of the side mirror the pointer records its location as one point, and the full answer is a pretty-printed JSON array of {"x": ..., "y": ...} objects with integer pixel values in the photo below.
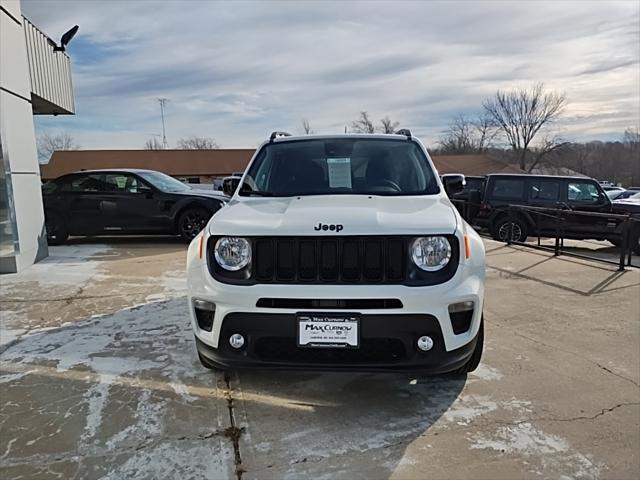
[
  {"x": 145, "y": 190},
  {"x": 230, "y": 185},
  {"x": 453, "y": 183},
  {"x": 603, "y": 198}
]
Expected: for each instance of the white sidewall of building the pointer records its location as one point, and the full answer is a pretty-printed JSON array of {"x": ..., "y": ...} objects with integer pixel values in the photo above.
[{"x": 24, "y": 225}]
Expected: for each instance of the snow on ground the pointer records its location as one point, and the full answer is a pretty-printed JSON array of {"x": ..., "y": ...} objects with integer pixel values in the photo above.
[{"x": 149, "y": 352}]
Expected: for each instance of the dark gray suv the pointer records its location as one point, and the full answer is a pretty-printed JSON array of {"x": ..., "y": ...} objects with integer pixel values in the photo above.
[{"x": 571, "y": 194}]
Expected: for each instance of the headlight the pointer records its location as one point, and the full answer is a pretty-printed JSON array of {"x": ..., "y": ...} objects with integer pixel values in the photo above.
[
  {"x": 431, "y": 253},
  {"x": 232, "y": 253}
]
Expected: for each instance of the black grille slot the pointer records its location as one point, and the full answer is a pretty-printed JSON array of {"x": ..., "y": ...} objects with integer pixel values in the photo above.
[
  {"x": 265, "y": 267},
  {"x": 328, "y": 260},
  {"x": 307, "y": 260},
  {"x": 350, "y": 261},
  {"x": 285, "y": 260},
  {"x": 396, "y": 252},
  {"x": 373, "y": 260},
  {"x": 329, "y": 304}
]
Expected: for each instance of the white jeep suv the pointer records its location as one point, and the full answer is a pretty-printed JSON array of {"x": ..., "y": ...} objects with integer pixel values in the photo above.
[{"x": 339, "y": 252}]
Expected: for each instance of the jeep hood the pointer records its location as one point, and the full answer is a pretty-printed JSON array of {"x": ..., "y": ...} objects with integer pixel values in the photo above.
[{"x": 358, "y": 215}]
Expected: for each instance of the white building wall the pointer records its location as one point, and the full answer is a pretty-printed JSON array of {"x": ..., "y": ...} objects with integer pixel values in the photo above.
[{"x": 25, "y": 228}]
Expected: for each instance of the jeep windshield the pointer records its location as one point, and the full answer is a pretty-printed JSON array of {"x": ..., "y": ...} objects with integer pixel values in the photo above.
[{"x": 342, "y": 166}]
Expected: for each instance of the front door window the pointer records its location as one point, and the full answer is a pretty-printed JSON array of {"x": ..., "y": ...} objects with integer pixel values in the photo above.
[{"x": 583, "y": 193}]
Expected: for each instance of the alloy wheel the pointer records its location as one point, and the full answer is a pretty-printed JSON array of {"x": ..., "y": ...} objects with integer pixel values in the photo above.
[
  {"x": 193, "y": 223},
  {"x": 516, "y": 231}
]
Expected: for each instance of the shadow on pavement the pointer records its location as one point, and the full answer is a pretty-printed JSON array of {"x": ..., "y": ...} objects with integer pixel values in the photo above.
[{"x": 361, "y": 422}]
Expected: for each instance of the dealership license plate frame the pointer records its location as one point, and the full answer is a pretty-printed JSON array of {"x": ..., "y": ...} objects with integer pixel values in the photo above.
[{"x": 328, "y": 317}]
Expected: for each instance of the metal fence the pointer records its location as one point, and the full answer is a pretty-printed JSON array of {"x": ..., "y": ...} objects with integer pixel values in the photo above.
[
  {"x": 558, "y": 216},
  {"x": 624, "y": 234}
]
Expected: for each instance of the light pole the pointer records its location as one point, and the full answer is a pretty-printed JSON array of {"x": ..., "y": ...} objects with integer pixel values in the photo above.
[{"x": 163, "y": 102}]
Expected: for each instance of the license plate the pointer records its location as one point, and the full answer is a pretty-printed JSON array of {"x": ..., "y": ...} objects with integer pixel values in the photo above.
[{"x": 328, "y": 330}]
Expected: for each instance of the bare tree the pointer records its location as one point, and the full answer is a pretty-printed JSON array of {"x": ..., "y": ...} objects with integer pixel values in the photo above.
[
  {"x": 363, "y": 124},
  {"x": 153, "y": 144},
  {"x": 387, "y": 126},
  {"x": 631, "y": 138},
  {"x": 520, "y": 114},
  {"x": 550, "y": 145},
  {"x": 631, "y": 141},
  {"x": 458, "y": 137},
  {"x": 485, "y": 131},
  {"x": 48, "y": 143},
  {"x": 306, "y": 127},
  {"x": 197, "y": 143}
]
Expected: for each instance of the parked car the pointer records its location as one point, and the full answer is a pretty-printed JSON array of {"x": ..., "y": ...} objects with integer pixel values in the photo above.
[
  {"x": 617, "y": 193},
  {"x": 125, "y": 201},
  {"x": 612, "y": 188},
  {"x": 631, "y": 206},
  {"x": 578, "y": 194},
  {"x": 621, "y": 195},
  {"x": 339, "y": 252}
]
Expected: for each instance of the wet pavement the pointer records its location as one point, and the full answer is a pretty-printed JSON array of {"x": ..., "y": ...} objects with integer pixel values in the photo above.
[{"x": 99, "y": 379}]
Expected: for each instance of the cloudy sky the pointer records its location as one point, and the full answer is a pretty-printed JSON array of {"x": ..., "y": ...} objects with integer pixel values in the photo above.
[{"x": 237, "y": 70}]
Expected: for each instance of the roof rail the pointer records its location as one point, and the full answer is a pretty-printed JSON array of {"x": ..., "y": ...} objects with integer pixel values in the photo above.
[
  {"x": 278, "y": 134},
  {"x": 404, "y": 131}
]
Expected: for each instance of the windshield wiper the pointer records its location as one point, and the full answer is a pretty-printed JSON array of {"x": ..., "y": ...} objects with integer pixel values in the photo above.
[{"x": 257, "y": 193}]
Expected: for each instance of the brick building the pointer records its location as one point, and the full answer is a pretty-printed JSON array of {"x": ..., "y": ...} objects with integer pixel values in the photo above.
[{"x": 203, "y": 166}]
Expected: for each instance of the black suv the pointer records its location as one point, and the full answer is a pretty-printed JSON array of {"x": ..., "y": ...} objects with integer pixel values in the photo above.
[
  {"x": 577, "y": 194},
  {"x": 134, "y": 202}
]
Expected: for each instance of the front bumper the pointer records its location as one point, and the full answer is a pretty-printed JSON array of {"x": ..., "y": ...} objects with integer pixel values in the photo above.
[
  {"x": 423, "y": 310},
  {"x": 388, "y": 343}
]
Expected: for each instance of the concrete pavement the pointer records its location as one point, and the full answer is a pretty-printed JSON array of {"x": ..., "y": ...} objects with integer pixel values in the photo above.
[{"x": 99, "y": 379}]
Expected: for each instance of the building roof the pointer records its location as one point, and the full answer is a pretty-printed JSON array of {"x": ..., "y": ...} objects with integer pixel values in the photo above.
[
  {"x": 472, "y": 165},
  {"x": 222, "y": 162},
  {"x": 179, "y": 163},
  {"x": 556, "y": 170}
]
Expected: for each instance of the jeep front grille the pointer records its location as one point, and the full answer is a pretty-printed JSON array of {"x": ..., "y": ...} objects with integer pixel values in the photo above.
[{"x": 335, "y": 259}]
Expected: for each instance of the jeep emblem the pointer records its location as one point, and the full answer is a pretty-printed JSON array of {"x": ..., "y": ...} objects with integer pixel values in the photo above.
[{"x": 325, "y": 227}]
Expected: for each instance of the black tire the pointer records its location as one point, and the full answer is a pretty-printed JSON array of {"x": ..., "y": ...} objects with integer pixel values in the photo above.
[
  {"x": 500, "y": 230},
  {"x": 57, "y": 232},
  {"x": 192, "y": 221},
  {"x": 474, "y": 361}
]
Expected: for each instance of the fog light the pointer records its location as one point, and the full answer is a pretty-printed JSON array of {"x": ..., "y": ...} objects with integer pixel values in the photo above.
[
  {"x": 236, "y": 340},
  {"x": 461, "y": 307},
  {"x": 204, "y": 305},
  {"x": 425, "y": 343},
  {"x": 205, "y": 313},
  {"x": 461, "y": 315}
]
